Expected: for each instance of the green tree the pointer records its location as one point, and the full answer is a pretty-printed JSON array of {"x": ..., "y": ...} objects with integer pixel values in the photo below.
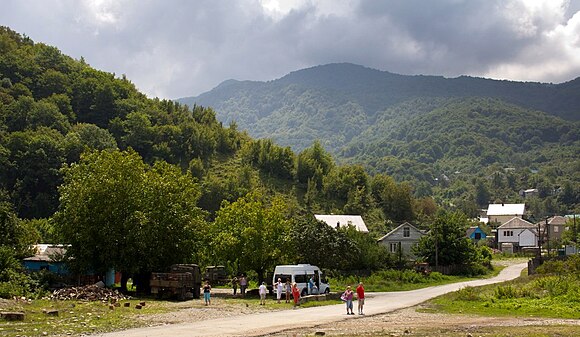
[
  {"x": 313, "y": 163},
  {"x": 446, "y": 244},
  {"x": 117, "y": 212},
  {"x": 317, "y": 243},
  {"x": 251, "y": 233}
]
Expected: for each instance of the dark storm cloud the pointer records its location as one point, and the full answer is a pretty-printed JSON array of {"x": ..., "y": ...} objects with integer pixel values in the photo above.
[{"x": 181, "y": 48}]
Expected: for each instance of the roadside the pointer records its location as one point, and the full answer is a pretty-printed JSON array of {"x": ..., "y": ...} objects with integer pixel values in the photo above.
[{"x": 273, "y": 322}]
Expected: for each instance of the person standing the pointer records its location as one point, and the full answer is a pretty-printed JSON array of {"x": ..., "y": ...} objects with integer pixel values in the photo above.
[
  {"x": 235, "y": 285},
  {"x": 243, "y": 285},
  {"x": 279, "y": 289},
  {"x": 348, "y": 296},
  {"x": 207, "y": 293},
  {"x": 311, "y": 285},
  {"x": 295, "y": 294},
  {"x": 360, "y": 294},
  {"x": 262, "y": 290},
  {"x": 288, "y": 288}
]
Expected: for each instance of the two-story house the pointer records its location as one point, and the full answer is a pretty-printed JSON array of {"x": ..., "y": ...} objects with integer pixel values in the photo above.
[
  {"x": 517, "y": 234},
  {"x": 402, "y": 239}
]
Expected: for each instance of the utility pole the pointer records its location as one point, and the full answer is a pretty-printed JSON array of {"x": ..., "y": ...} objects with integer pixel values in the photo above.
[
  {"x": 540, "y": 241},
  {"x": 547, "y": 228}
]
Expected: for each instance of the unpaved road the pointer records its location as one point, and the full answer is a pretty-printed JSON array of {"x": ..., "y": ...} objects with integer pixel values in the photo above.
[{"x": 273, "y": 322}]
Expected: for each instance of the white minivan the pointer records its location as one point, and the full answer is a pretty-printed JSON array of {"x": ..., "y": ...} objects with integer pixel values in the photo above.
[{"x": 301, "y": 274}]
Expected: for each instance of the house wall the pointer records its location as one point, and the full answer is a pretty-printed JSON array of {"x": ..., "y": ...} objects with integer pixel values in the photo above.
[
  {"x": 503, "y": 218},
  {"x": 407, "y": 242},
  {"x": 527, "y": 238},
  {"x": 502, "y": 237},
  {"x": 57, "y": 268}
]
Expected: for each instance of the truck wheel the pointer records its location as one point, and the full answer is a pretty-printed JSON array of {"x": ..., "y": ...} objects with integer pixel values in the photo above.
[
  {"x": 327, "y": 291},
  {"x": 304, "y": 292}
]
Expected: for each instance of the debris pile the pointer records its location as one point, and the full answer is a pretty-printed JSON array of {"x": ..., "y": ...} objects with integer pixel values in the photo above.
[{"x": 88, "y": 293}]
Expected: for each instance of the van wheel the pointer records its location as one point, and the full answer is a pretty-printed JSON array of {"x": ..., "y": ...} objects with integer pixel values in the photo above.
[
  {"x": 327, "y": 291},
  {"x": 304, "y": 292}
]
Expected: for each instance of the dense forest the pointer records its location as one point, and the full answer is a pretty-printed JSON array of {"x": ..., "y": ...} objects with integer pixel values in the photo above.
[
  {"x": 88, "y": 160},
  {"x": 465, "y": 141}
]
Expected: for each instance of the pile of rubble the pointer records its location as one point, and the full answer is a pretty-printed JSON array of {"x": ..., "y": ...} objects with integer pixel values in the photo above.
[{"x": 88, "y": 293}]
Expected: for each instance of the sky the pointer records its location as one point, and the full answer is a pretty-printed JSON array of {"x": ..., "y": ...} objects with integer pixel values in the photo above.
[{"x": 177, "y": 48}]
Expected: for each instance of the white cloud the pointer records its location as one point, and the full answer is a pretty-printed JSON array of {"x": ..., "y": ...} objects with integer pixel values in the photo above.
[{"x": 175, "y": 48}]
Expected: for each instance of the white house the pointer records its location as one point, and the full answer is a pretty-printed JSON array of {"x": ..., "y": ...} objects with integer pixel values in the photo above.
[
  {"x": 518, "y": 233},
  {"x": 337, "y": 221},
  {"x": 402, "y": 239},
  {"x": 502, "y": 213}
]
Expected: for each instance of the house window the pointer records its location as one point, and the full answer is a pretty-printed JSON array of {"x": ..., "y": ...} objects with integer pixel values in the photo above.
[
  {"x": 556, "y": 229},
  {"x": 508, "y": 233},
  {"x": 477, "y": 236},
  {"x": 406, "y": 232},
  {"x": 393, "y": 247}
]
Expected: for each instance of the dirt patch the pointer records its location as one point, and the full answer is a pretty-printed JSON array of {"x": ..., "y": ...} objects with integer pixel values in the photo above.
[
  {"x": 195, "y": 310},
  {"x": 411, "y": 322}
]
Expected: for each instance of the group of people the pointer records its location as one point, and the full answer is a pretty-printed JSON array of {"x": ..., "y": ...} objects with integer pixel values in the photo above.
[
  {"x": 287, "y": 288},
  {"x": 242, "y": 282},
  {"x": 348, "y": 297},
  {"x": 290, "y": 289}
]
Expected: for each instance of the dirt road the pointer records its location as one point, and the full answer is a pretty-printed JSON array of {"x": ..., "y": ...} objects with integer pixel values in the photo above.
[{"x": 273, "y": 322}]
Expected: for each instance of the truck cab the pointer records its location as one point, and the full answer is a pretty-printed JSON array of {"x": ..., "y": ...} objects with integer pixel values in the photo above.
[{"x": 301, "y": 274}]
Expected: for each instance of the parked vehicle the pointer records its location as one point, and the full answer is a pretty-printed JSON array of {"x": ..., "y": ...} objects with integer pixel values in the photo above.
[
  {"x": 216, "y": 275},
  {"x": 183, "y": 281},
  {"x": 301, "y": 274}
]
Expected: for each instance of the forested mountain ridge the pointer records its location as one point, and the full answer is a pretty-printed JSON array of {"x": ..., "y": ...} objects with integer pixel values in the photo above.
[
  {"x": 335, "y": 102},
  {"x": 445, "y": 136}
]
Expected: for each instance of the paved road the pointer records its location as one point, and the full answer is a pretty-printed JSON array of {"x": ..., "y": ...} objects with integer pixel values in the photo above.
[{"x": 276, "y": 321}]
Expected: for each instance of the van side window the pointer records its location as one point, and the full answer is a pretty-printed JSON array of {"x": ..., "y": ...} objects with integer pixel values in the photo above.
[{"x": 300, "y": 278}]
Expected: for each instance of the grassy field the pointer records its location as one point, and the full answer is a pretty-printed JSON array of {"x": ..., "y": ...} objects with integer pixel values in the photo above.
[
  {"x": 74, "y": 317},
  {"x": 554, "y": 292}
]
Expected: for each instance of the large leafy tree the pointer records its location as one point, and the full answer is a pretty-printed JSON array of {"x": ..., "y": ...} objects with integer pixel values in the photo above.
[
  {"x": 117, "y": 212},
  {"x": 251, "y": 233},
  {"x": 317, "y": 243},
  {"x": 446, "y": 244}
]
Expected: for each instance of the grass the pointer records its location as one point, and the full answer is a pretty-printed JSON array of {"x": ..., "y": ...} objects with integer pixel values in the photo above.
[
  {"x": 395, "y": 280},
  {"x": 554, "y": 295},
  {"x": 74, "y": 317}
]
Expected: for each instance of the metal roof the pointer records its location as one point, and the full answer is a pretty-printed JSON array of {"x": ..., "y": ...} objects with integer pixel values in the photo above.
[
  {"x": 506, "y": 209},
  {"x": 343, "y": 221}
]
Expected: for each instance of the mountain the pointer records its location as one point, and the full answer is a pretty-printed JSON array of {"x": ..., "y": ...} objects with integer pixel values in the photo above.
[{"x": 336, "y": 102}]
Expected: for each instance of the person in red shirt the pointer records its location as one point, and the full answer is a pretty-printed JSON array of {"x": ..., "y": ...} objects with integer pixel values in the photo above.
[
  {"x": 360, "y": 294},
  {"x": 295, "y": 294}
]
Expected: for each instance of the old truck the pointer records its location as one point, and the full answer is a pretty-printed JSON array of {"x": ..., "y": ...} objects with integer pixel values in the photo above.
[
  {"x": 216, "y": 275},
  {"x": 183, "y": 281}
]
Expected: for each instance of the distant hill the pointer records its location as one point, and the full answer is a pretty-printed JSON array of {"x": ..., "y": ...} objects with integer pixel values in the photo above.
[{"x": 336, "y": 102}]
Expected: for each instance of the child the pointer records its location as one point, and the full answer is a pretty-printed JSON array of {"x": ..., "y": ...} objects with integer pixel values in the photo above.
[{"x": 207, "y": 293}]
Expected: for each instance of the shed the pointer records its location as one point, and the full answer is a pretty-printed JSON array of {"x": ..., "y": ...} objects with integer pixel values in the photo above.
[{"x": 47, "y": 257}]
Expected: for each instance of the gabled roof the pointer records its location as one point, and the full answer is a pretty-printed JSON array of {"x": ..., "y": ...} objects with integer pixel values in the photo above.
[
  {"x": 516, "y": 222},
  {"x": 557, "y": 220},
  {"x": 404, "y": 224},
  {"x": 506, "y": 209},
  {"x": 472, "y": 229},
  {"x": 343, "y": 221}
]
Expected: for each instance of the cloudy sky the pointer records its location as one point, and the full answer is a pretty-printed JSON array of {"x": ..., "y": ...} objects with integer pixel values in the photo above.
[{"x": 177, "y": 48}]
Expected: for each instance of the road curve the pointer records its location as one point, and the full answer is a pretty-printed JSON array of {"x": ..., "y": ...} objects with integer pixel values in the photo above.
[{"x": 276, "y": 321}]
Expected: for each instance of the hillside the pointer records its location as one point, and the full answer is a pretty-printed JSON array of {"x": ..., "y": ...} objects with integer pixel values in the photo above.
[{"x": 335, "y": 102}]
